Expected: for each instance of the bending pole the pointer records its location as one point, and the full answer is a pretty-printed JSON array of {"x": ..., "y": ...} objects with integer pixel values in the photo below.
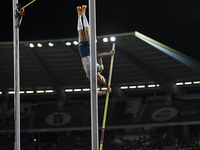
[
  {"x": 93, "y": 77},
  {"x": 28, "y": 4},
  {"x": 107, "y": 98},
  {"x": 16, "y": 75}
]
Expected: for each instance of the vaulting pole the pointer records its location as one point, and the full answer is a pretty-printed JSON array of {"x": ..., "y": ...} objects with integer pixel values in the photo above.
[
  {"x": 107, "y": 99},
  {"x": 16, "y": 75},
  {"x": 28, "y": 4},
  {"x": 93, "y": 76}
]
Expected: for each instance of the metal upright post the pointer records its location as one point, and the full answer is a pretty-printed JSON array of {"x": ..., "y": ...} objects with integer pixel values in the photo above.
[
  {"x": 93, "y": 76},
  {"x": 16, "y": 75}
]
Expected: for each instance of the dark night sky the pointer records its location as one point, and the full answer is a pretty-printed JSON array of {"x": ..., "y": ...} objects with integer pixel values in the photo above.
[{"x": 175, "y": 23}]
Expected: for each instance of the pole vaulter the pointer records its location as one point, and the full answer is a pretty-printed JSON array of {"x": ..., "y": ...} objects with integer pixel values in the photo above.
[
  {"x": 107, "y": 99},
  {"x": 18, "y": 14},
  {"x": 92, "y": 63}
]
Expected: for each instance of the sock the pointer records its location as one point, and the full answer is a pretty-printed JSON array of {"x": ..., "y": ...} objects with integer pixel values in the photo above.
[
  {"x": 85, "y": 22},
  {"x": 80, "y": 25}
]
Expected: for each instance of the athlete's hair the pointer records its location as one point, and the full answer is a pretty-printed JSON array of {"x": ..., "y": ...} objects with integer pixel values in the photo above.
[{"x": 104, "y": 84}]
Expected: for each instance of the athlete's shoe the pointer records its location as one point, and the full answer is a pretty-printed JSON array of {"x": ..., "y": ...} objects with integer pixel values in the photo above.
[
  {"x": 79, "y": 10},
  {"x": 84, "y": 8}
]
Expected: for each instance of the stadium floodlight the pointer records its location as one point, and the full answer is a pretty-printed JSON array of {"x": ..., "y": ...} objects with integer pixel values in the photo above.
[
  {"x": 151, "y": 85},
  {"x": 132, "y": 87},
  {"x": 86, "y": 89},
  {"x": 188, "y": 83},
  {"x": 105, "y": 39},
  {"x": 50, "y": 44},
  {"x": 68, "y": 90},
  {"x": 141, "y": 86},
  {"x": 196, "y": 82},
  {"x": 112, "y": 39},
  {"x": 31, "y": 45},
  {"x": 39, "y": 45},
  {"x": 11, "y": 92},
  {"x": 40, "y": 91},
  {"x": 68, "y": 43},
  {"x": 179, "y": 83},
  {"x": 29, "y": 92},
  {"x": 77, "y": 90},
  {"x": 124, "y": 87},
  {"x": 75, "y": 43},
  {"x": 48, "y": 91}
]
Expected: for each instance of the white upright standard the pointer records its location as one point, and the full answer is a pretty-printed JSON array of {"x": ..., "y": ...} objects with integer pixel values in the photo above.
[
  {"x": 16, "y": 75},
  {"x": 93, "y": 76}
]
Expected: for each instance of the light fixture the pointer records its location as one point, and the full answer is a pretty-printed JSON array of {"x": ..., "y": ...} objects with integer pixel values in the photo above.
[
  {"x": 105, "y": 39},
  {"x": 50, "y": 44},
  {"x": 40, "y": 91},
  {"x": 151, "y": 85},
  {"x": 141, "y": 86},
  {"x": 39, "y": 45},
  {"x": 132, "y": 87},
  {"x": 11, "y": 92},
  {"x": 68, "y": 90},
  {"x": 103, "y": 89},
  {"x": 68, "y": 43},
  {"x": 112, "y": 39},
  {"x": 196, "y": 82},
  {"x": 77, "y": 90},
  {"x": 124, "y": 87},
  {"x": 86, "y": 89},
  {"x": 29, "y": 92},
  {"x": 48, "y": 91},
  {"x": 179, "y": 83},
  {"x": 31, "y": 45},
  {"x": 75, "y": 43},
  {"x": 187, "y": 83}
]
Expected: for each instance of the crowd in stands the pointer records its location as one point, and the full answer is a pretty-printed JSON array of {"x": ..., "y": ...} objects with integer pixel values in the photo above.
[
  {"x": 158, "y": 143},
  {"x": 137, "y": 141},
  {"x": 7, "y": 120},
  {"x": 81, "y": 141}
]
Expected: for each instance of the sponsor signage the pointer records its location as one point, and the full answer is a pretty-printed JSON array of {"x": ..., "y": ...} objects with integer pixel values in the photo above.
[
  {"x": 58, "y": 118},
  {"x": 189, "y": 112},
  {"x": 164, "y": 114}
]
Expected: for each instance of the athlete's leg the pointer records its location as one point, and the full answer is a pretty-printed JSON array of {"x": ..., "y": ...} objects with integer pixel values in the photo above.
[
  {"x": 81, "y": 37},
  {"x": 86, "y": 24}
]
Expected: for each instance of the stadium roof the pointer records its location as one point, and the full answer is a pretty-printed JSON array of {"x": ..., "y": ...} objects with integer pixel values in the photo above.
[{"x": 140, "y": 63}]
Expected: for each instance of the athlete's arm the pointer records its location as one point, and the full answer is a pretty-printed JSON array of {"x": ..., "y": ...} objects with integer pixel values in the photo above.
[
  {"x": 104, "y": 92},
  {"x": 101, "y": 55},
  {"x": 100, "y": 61}
]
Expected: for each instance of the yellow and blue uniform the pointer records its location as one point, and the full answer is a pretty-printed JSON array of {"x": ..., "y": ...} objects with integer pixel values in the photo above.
[{"x": 84, "y": 51}]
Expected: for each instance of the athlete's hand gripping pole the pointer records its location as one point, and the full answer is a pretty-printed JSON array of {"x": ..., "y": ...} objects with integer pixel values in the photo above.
[{"x": 107, "y": 98}]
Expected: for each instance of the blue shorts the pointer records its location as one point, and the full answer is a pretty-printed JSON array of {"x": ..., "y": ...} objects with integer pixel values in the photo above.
[{"x": 84, "y": 49}]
